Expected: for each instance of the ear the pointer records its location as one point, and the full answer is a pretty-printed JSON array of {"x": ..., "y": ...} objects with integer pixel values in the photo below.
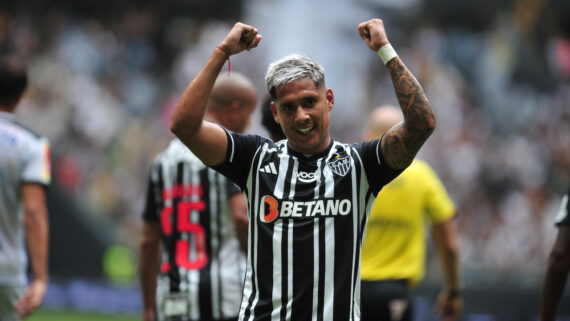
[
  {"x": 330, "y": 99},
  {"x": 274, "y": 111}
]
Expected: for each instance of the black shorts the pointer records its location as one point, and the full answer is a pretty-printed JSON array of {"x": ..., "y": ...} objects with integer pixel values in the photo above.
[{"x": 387, "y": 300}]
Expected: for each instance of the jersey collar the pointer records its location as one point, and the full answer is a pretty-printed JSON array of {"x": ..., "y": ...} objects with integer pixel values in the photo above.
[
  {"x": 7, "y": 115},
  {"x": 318, "y": 155}
]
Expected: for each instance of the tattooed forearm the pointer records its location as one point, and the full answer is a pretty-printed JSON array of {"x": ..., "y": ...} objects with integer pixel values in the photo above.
[{"x": 401, "y": 144}]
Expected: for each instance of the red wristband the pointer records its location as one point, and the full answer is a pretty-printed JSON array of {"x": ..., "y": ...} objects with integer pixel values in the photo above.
[{"x": 229, "y": 62}]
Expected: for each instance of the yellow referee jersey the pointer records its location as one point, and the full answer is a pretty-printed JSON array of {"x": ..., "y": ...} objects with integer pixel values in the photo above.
[{"x": 395, "y": 242}]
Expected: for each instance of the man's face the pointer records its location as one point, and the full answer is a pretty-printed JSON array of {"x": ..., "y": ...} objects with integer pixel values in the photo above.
[{"x": 303, "y": 111}]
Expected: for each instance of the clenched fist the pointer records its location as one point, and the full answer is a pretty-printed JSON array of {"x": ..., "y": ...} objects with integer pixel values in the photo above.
[
  {"x": 241, "y": 37},
  {"x": 373, "y": 33}
]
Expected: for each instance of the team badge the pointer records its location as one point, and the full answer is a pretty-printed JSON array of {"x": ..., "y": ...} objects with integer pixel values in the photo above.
[{"x": 340, "y": 165}]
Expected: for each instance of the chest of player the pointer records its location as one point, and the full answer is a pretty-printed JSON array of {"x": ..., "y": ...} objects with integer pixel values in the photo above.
[{"x": 292, "y": 188}]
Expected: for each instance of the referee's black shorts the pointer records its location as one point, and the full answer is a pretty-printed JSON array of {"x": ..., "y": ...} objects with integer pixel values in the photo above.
[{"x": 386, "y": 300}]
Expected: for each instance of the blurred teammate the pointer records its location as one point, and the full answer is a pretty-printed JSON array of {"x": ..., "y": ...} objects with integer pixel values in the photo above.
[
  {"x": 393, "y": 252},
  {"x": 558, "y": 264},
  {"x": 308, "y": 195},
  {"x": 194, "y": 210},
  {"x": 24, "y": 174},
  {"x": 273, "y": 128}
]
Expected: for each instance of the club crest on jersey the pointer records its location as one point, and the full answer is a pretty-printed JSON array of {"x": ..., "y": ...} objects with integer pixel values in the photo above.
[{"x": 340, "y": 166}]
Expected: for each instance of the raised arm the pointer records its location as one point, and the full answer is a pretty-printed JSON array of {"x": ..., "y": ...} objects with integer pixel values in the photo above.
[
  {"x": 403, "y": 141},
  {"x": 206, "y": 140}
]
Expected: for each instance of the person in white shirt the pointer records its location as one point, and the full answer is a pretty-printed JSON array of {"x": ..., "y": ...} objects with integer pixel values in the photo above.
[{"x": 24, "y": 175}]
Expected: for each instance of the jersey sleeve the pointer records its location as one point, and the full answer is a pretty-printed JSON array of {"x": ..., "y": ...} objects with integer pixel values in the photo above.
[
  {"x": 37, "y": 163},
  {"x": 150, "y": 210},
  {"x": 378, "y": 172},
  {"x": 439, "y": 206},
  {"x": 232, "y": 188},
  {"x": 239, "y": 156},
  {"x": 563, "y": 218}
]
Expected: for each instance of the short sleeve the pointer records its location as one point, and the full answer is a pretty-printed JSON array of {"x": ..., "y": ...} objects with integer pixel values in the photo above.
[
  {"x": 378, "y": 172},
  {"x": 439, "y": 205},
  {"x": 232, "y": 188},
  {"x": 150, "y": 213},
  {"x": 239, "y": 156},
  {"x": 37, "y": 163}
]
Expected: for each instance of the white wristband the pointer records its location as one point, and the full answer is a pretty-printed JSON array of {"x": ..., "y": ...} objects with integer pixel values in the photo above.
[{"x": 386, "y": 53}]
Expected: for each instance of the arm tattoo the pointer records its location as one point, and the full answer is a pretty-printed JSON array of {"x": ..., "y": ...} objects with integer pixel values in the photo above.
[{"x": 401, "y": 144}]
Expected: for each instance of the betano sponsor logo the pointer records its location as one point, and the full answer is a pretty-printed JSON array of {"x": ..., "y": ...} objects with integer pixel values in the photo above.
[{"x": 273, "y": 209}]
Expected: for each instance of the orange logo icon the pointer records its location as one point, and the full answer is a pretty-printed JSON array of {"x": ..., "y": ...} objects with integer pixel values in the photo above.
[{"x": 269, "y": 212}]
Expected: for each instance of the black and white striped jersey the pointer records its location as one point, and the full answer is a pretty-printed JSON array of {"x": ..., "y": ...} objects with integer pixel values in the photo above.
[
  {"x": 307, "y": 221},
  {"x": 563, "y": 217},
  {"x": 202, "y": 267}
]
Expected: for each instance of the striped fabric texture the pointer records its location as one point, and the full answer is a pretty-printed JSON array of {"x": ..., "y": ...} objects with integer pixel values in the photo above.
[
  {"x": 202, "y": 267},
  {"x": 307, "y": 221}
]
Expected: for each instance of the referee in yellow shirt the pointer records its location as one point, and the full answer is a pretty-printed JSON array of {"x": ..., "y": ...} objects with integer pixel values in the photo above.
[{"x": 393, "y": 253}]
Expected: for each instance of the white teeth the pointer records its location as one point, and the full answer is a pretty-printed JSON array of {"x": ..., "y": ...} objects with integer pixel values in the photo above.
[{"x": 305, "y": 130}]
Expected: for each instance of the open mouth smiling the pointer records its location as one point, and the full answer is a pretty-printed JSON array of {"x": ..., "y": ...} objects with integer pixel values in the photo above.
[{"x": 305, "y": 130}]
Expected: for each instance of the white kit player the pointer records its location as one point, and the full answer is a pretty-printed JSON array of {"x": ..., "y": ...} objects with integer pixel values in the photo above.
[{"x": 24, "y": 174}]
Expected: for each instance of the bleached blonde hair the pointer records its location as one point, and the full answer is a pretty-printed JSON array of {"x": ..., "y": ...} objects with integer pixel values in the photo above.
[{"x": 293, "y": 67}]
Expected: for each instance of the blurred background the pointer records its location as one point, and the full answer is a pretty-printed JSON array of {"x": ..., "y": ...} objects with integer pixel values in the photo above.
[{"x": 105, "y": 76}]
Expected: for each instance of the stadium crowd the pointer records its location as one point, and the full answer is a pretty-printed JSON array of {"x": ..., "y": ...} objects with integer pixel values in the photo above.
[{"x": 102, "y": 91}]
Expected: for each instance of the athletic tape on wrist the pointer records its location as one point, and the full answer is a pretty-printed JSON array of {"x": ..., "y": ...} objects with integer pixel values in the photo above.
[{"x": 386, "y": 53}]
